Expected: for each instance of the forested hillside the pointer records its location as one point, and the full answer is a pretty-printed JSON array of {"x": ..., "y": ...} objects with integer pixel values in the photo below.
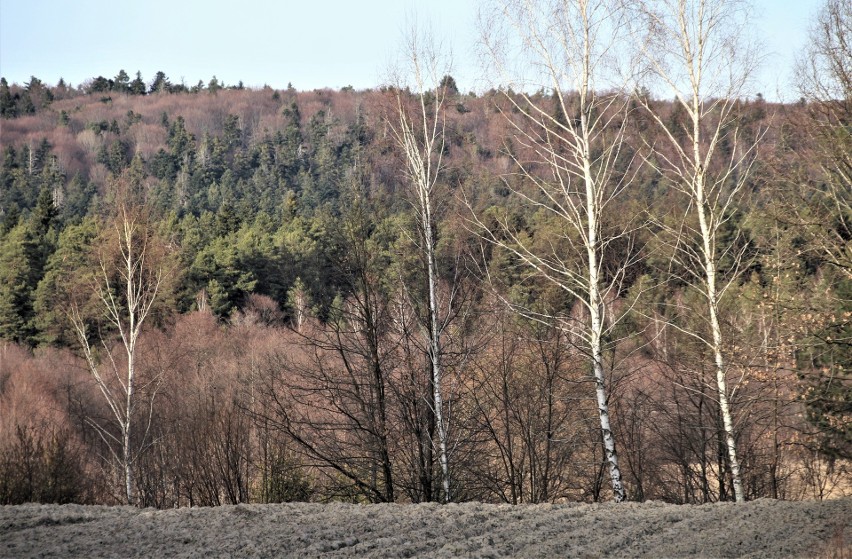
[{"x": 214, "y": 294}]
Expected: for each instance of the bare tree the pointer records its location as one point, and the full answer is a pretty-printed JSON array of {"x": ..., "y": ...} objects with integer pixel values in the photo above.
[
  {"x": 571, "y": 153},
  {"x": 822, "y": 206},
  {"x": 825, "y": 69},
  {"x": 418, "y": 131},
  {"x": 825, "y": 81},
  {"x": 695, "y": 50},
  {"x": 330, "y": 393},
  {"x": 130, "y": 272},
  {"x": 522, "y": 396}
]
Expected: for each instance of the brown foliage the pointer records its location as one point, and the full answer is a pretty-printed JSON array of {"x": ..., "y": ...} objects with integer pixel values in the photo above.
[{"x": 42, "y": 450}]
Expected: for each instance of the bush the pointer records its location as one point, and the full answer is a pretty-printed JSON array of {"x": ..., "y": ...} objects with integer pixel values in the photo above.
[{"x": 41, "y": 467}]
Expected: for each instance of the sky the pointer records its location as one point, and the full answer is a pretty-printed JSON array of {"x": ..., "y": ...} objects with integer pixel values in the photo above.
[{"x": 307, "y": 43}]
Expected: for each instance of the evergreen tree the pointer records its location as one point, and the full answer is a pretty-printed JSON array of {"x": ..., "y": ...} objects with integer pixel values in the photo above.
[
  {"x": 101, "y": 85},
  {"x": 78, "y": 196},
  {"x": 121, "y": 83},
  {"x": 214, "y": 86},
  {"x": 67, "y": 268},
  {"x": 160, "y": 84},
  {"x": 220, "y": 269},
  {"x": 45, "y": 211},
  {"x": 137, "y": 86},
  {"x": 231, "y": 133},
  {"x": 448, "y": 84},
  {"x": 181, "y": 142},
  {"x": 37, "y": 94},
  {"x": 113, "y": 156},
  {"x": 7, "y": 103},
  {"x": 19, "y": 262},
  {"x": 10, "y": 219}
]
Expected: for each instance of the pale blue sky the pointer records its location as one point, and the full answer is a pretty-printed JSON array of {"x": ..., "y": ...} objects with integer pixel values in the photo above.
[{"x": 311, "y": 43}]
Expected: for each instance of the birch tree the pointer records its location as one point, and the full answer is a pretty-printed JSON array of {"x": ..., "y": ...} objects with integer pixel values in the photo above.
[
  {"x": 695, "y": 51},
  {"x": 129, "y": 273},
  {"x": 573, "y": 164},
  {"x": 418, "y": 132}
]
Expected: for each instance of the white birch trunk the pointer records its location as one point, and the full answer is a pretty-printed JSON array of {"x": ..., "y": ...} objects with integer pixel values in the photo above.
[
  {"x": 572, "y": 44},
  {"x": 420, "y": 136},
  {"x": 435, "y": 357},
  {"x": 708, "y": 248},
  {"x": 596, "y": 350},
  {"x": 140, "y": 284},
  {"x": 695, "y": 49}
]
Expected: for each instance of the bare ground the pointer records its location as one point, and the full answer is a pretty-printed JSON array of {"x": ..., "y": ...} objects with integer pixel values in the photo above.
[{"x": 762, "y": 528}]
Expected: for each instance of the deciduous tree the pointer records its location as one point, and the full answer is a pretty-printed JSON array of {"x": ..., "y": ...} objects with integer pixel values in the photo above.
[
  {"x": 696, "y": 51},
  {"x": 418, "y": 129},
  {"x": 574, "y": 166},
  {"x": 132, "y": 269}
]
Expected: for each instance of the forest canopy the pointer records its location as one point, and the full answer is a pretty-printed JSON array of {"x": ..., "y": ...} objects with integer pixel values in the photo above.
[{"x": 417, "y": 294}]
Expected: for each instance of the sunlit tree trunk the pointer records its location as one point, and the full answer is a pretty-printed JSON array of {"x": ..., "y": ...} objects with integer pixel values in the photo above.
[
  {"x": 419, "y": 134},
  {"x": 129, "y": 278},
  {"x": 695, "y": 49},
  {"x": 569, "y": 46}
]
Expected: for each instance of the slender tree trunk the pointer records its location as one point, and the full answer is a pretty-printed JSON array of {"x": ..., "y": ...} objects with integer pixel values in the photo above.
[
  {"x": 596, "y": 309},
  {"x": 419, "y": 134},
  {"x": 127, "y": 456},
  {"x": 382, "y": 427},
  {"x": 572, "y": 43},
  {"x": 708, "y": 249},
  {"x": 697, "y": 51},
  {"x": 435, "y": 344},
  {"x": 603, "y": 412},
  {"x": 379, "y": 383},
  {"x": 507, "y": 432},
  {"x": 427, "y": 445},
  {"x": 544, "y": 494},
  {"x": 140, "y": 280},
  {"x": 600, "y": 389},
  {"x": 130, "y": 342}
]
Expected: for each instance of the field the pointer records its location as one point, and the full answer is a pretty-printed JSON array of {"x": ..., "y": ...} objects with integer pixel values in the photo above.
[{"x": 762, "y": 528}]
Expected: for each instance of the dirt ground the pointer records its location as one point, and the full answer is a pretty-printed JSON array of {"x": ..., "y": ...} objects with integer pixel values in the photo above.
[{"x": 762, "y": 528}]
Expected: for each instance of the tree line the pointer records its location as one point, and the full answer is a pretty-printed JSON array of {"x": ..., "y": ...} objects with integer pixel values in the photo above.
[{"x": 606, "y": 278}]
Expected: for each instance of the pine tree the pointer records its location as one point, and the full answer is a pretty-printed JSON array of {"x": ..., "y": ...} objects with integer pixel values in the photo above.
[
  {"x": 19, "y": 263},
  {"x": 121, "y": 83},
  {"x": 137, "y": 86},
  {"x": 7, "y": 102}
]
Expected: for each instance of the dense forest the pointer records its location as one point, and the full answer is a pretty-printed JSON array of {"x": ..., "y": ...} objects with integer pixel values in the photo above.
[{"x": 215, "y": 294}]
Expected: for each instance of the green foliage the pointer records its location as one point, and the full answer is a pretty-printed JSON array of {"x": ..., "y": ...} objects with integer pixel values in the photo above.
[
  {"x": 228, "y": 281},
  {"x": 114, "y": 156},
  {"x": 20, "y": 269},
  {"x": 68, "y": 269},
  {"x": 160, "y": 84},
  {"x": 100, "y": 85},
  {"x": 448, "y": 84},
  {"x": 181, "y": 143},
  {"x": 45, "y": 211},
  {"x": 137, "y": 86},
  {"x": 121, "y": 83},
  {"x": 214, "y": 86},
  {"x": 8, "y": 104}
]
